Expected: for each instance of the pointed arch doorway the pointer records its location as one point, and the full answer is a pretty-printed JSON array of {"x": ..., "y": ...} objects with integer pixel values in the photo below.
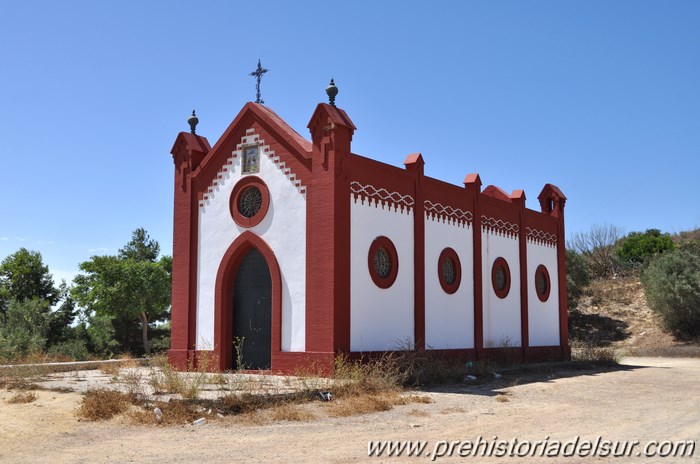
[
  {"x": 225, "y": 315},
  {"x": 252, "y": 313}
]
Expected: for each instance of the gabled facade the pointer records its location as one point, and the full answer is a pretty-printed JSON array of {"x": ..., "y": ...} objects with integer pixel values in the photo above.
[{"x": 287, "y": 252}]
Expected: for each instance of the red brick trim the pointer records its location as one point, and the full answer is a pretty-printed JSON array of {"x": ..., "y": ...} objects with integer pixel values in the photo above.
[
  {"x": 388, "y": 246},
  {"x": 500, "y": 262},
  {"x": 223, "y": 297},
  {"x": 449, "y": 253},
  {"x": 238, "y": 189},
  {"x": 542, "y": 270}
]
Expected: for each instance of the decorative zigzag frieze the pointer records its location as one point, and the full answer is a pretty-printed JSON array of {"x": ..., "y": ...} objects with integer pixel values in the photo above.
[
  {"x": 540, "y": 237},
  {"x": 381, "y": 196},
  {"x": 499, "y": 226},
  {"x": 230, "y": 165},
  {"x": 447, "y": 213}
]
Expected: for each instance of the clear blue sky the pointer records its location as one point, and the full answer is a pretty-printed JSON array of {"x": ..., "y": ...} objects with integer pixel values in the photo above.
[{"x": 600, "y": 98}]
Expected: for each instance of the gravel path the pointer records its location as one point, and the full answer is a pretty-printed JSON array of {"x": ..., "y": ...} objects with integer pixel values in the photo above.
[{"x": 646, "y": 399}]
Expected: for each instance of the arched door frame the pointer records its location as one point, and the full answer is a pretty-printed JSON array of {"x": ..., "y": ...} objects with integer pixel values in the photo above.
[{"x": 223, "y": 296}]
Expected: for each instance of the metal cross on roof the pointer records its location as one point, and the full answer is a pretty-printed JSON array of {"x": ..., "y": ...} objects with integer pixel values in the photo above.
[{"x": 258, "y": 73}]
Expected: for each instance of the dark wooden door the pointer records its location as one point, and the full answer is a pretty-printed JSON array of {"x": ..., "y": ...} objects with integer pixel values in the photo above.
[{"x": 252, "y": 312}]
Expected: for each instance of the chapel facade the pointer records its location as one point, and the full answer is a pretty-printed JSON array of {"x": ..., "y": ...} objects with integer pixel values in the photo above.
[{"x": 289, "y": 251}]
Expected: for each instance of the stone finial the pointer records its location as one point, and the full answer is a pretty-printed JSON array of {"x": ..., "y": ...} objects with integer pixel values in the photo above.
[
  {"x": 332, "y": 91},
  {"x": 193, "y": 121}
]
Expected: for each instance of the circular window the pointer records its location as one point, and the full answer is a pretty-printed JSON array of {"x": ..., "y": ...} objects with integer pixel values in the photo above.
[
  {"x": 249, "y": 202},
  {"x": 383, "y": 262},
  {"x": 542, "y": 283},
  {"x": 449, "y": 270},
  {"x": 500, "y": 277}
]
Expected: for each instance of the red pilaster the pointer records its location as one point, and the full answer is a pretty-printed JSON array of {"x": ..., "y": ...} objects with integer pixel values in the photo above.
[
  {"x": 552, "y": 202},
  {"x": 328, "y": 237},
  {"x": 188, "y": 152},
  {"x": 473, "y": 185},
  {"x": 415, "y": 165},
  {"x": 518, "y": 199}
]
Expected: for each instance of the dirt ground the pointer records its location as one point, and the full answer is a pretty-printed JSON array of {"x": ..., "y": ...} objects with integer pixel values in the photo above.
[{"x": 644, "y": 399}]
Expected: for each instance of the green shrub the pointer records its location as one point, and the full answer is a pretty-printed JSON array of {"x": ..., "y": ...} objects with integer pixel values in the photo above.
[
  {"x": 638, "y": 248},
  {"x": 577, "y": 277},
  {"x": 74, "y": 349},
  {"x": 24, "y": 328},
  {"x": 672, "y": 287}
]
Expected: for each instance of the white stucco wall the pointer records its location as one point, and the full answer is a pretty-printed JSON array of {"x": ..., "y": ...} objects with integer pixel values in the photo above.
[
  {"x": 284, "y": 231},
  {"x": 449, "y": 319},
  {"x": 543, "y": 317},
  {"x": 380, "y": 319},
  {"x": 501, "y": 316}
]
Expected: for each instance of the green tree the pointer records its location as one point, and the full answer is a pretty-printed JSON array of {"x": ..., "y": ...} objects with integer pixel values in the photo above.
[
  {"x": 132, "y": 286},
  {"x": 61, "y": 318},
  {"x": 638, "y": 247},
  {"x": 24, "y": 276},
  {"x": 141, "y": 247}
]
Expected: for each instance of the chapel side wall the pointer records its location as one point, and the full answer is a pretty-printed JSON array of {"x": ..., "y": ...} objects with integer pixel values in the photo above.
[
  {"x": 381, "y": 204},
  {"x": 283, "y": 229},
  {"x": 500, "y": 238},
  {"x": 542, "y": 249},
  {"x": 449, "y": 317}
]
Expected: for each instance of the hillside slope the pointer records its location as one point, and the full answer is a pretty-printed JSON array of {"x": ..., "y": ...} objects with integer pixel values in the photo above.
[{"x": 615, "y": 313}]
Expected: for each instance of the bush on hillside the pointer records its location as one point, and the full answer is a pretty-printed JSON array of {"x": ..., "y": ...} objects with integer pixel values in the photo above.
[
  {"x": 672, "y": 287},
  {"x": 637, "y": 248},
  {"x": 577, "y": 277}
]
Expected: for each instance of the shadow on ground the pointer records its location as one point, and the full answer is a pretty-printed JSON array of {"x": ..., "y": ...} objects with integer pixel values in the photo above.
[
  {"x": 490, "y": 384},
  {"x": 597, "y": 329}
]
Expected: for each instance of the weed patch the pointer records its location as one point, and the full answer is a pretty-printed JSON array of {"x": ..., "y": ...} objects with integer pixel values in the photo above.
[
  {"x": 22, "y": 398},
  {"x": 291, "y": 413},
  {"x": 586, "y": 351},
  {"x": 102, "y": 404},
  {"x": 172, "y": 413}
]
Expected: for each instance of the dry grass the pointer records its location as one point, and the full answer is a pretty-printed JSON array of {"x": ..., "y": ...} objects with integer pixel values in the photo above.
[
  {"x": 362, "y": 404},
  {"x": 502, "y": 398},
  {"x": 425, "y": 399},
  {"x": 22, "y": 398},
  {"x": 243, "y": 403},
  {"x": 361, "y": 377},
  {"x": 586, "y": 351},
  {"x": 103, "y": 404},
  {"x": 290, "y": 412},
  {"x": 173, "y": 413},
  {"x": 21, "y": 377},
  {"x": 165, "y": 379},
  {"x": 111, "y": 369},
  {"x": 418, "y": 413},
  {"x": 252, "y": 418}
]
